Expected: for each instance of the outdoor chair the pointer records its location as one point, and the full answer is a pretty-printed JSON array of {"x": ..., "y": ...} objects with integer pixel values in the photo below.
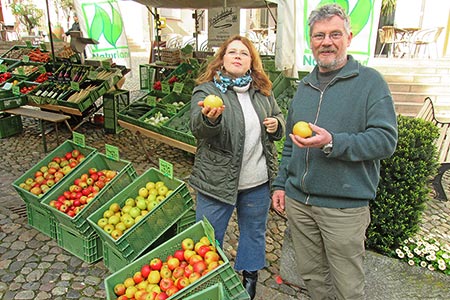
[
  {"x": 394, "y": 37},
  {"x": 423, "y": 40}
]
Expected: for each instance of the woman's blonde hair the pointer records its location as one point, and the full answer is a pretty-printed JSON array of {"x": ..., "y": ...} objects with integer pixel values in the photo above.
[{"x": 260, "y": 80}]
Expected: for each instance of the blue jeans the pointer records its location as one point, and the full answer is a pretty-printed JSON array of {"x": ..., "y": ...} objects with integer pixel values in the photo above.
[{"x": 252, "y": 211}]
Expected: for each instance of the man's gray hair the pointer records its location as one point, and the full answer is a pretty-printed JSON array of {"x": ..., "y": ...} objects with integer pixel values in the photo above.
[{"x": 326, "y": 12}]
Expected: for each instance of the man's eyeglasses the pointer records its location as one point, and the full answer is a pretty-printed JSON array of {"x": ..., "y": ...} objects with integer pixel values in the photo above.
[{"x": 320, "y": 36}]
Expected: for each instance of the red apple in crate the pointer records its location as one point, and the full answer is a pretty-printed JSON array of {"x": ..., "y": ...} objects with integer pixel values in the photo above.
[
  {"x": 145, "y": 270},
  {"x": 199, "y": 267},
  {"x": 194, "y": 277},
  {"x": 172, "y": 263},
  {"x": 182, "y": 282},
  {"x": 137, "y": 277},
  {"x": 165, "y": 283},
  {"x": 75, "y": 153},
  {"x": 188, "y": 270},
  {"x": 156, "y": 264},
  {"x": 194, "y": 259},
  {"x": 202, "y": 250},
  {"x": 161, "y": 296},
  {"x": 179, "y": 254},
  {"x": 119, "y": 289},
  {"x": 187, "y": 254},
  {"x": 172, "y": 290},
  {"x": 178, "y": 272},
  {"x": 211, "y": 256}
]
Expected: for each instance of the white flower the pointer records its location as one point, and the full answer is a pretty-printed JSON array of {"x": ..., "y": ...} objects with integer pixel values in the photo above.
[
  {"x": 430, "y": 267},
  {"x": 405, "y": 248},
  {"x": 410, "y": 255},
  {"x": 445, "y": 255},
  {"x": 417, "y": 251},
  {"x": 411, "y": 262},
  {"x": 401, "y": 254},
  {"x": 423, "y": 264},
  {"x": 442, "y": 267}
]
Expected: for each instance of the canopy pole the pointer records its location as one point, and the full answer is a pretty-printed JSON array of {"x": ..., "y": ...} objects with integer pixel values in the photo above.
[
  {"x": 158, "y": 29},
  {"x": 50, "y": 35}
]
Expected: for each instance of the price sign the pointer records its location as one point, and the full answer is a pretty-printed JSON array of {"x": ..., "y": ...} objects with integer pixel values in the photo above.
[
  {"x": 151, "y": 100},
  {"x": 166, "y": 168},
  {"x": 16, "y": 90},
  {"x": 42, "y": 69},
  {"x": 3, "y": 68},
  {"x": 209, "y": 232},
  {"x": 43, "y": 47},
  {"x": 75, "y": 85},
  {"x": 7, "y": 86},
  {"x": 178, "y": 87},
  {"x": 165, "y": 88},
  {"x": 25, "y": 58},
  {"x": 29, "y": 45},
  {"x": 112, "y": 152},
  {"x": 78, "y": 139}
]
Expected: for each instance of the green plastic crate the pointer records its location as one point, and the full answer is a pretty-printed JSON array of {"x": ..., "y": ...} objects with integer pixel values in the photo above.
[
  {"x": 12, "y": 102},
  {"x": 223, "y": 274},
  {"x": 39, "y": 218},
  {"x": 125, "y": 175},
  {"x": 146, "y": 76},
  {"x": 86, "y": 248},
  {"x": 138, "y": 237},
  {"x": 59, "y": 151},
  {"x": 178, "y": 127},
  {"x": 167, "y": 103},
  {"x": 10, "y": 125},
  {"x": 155, "y": 128},
  {"x": 115, "y": 260},
  {"x": 89, "y": 99},
  {"x": 116, "y": 100},
  {"x": 214, "y": 292}
]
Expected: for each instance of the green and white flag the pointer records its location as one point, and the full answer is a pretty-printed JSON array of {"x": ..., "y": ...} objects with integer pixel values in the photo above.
[
  {"x": 293, "y": 50},
  {"x": 101, "y": 20}
]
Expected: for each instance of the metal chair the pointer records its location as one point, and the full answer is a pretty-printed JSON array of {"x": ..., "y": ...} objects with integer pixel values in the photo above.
[{"x": 423, "y": 40}]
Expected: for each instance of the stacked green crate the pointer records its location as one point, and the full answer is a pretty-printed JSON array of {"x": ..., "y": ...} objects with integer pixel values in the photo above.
[
  {"x": 114, "y": 102},
  {"x": 161, "y": 222},
  {"x": 9, "y": 125},
  {"x": 224, "y": 274}
]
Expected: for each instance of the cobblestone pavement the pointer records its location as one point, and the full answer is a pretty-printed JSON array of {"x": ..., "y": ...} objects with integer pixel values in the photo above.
[{"x": 33, "y": 266}]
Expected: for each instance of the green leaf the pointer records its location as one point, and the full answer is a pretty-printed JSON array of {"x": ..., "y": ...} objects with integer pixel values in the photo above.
[{"x": 96, "y": 28}]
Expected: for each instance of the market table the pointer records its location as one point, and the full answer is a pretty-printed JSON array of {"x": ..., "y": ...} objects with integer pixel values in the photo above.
[
  {"x": 139, "y": 131},
  {"x": 41, "y": 116}
]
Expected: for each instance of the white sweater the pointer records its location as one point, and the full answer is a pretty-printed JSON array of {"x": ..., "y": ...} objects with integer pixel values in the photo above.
[{"x": 254, "y": 167}]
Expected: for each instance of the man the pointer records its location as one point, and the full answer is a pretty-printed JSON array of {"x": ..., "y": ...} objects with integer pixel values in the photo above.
[
  {"x": 326, "y": 181},
  {"x": 75, "y": 26}
]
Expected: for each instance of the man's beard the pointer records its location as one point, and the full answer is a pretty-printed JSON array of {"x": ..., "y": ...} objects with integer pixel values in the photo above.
[{"x": 334, "y": 64}]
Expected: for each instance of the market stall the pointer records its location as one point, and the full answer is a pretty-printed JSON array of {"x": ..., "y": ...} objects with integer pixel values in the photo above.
[{"x": 164, "y": 90}]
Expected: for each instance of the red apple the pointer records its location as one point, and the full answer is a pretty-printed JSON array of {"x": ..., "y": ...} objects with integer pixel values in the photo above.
[
  {"x": 188, "y": 270},
  {"x": 156, "y": 264},
  {"x": 194, "y": 277},
  {"x": 179, "y": 254},
  {"x": 145, "y": 270},
  {"x": 137, "y": 277},
  {"x": 194, "y": 259},
  {"x": 92, "y": 171},
  {"x": 68, "y": 155},
  {"x": 187, "y": 254},
  {"x": 75, "y": 153},
  {"x": 161, "y": 296},
  {"x": 172, "y": 263},
  {"x": 178, "y": 272},
  {"x": 199, "y": 267},
  {"x": 211, "y": 256},
  {"x": 172, "y": 290},
  {"x": 119, "y": 289},
  {"x": 202, "y": 250},
  {"x": 165, "y": 283},
  {"x": 182, "y": 282}
]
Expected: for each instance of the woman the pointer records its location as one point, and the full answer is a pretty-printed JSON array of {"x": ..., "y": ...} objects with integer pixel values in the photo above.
[{"x": 236, "y": 158}]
